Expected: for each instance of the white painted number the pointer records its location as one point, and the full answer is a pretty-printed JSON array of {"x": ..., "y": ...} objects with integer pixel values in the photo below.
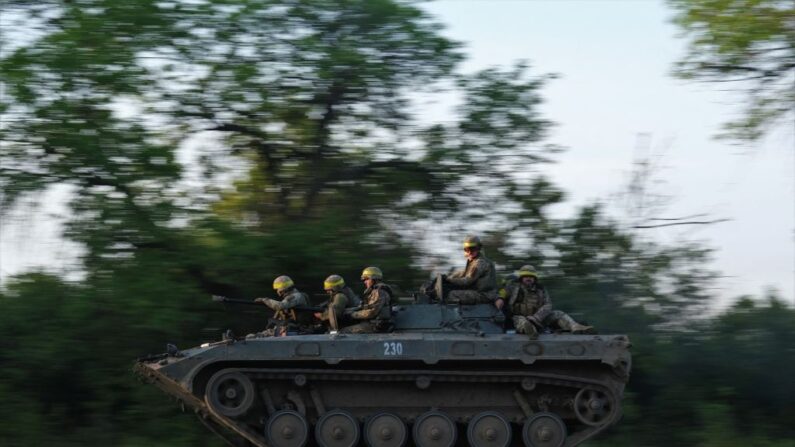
[{"x": 393, "y": 348}]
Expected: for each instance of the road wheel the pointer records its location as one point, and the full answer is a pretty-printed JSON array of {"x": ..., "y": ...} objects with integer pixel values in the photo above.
[
  {"x": 385, "y": 430},
  {"x": 337, "y": 429},
  {"x": 230, "y": 393},
  {"x": 287, "y": 428},
  {"x": 544, "y": 430},
  {"x": 435, "y": 429},
  {"x": 489, "y": 429}
]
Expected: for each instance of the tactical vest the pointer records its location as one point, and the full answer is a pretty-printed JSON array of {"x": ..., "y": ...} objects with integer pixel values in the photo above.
[
  {"x": 486, "y": 283},
  {"x": 353, "y": 298},
  {"x": 291, "y": 315},
  {"x": 386, "y": 310},
  {"x": 524, "y": 301}
]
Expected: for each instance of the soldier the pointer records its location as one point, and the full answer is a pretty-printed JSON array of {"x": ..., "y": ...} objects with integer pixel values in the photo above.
[
  {"x": 531, "y": 307},
  {"x": 286, "y": 316},
  {"x": 477, "y": 283},
  {"x": 341, "y": 297},
  {"x": 376, "y": 309}
]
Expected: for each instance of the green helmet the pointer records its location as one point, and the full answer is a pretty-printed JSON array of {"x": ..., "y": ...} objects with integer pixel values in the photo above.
[
  {"x": 527, "y": 270},
  {"x": 472, "y": 242},
  {"x": 372, "y": 273},
  {"x": 282, "y": 283},
  {"x": 334, "y": 282}
]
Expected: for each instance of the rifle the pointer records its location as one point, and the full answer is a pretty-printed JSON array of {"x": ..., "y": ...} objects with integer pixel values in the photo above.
[{"x": 225, "y": 300}]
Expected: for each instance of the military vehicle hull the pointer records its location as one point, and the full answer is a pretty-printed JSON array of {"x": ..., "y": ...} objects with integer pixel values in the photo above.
[{"x": 437, "y": 388}]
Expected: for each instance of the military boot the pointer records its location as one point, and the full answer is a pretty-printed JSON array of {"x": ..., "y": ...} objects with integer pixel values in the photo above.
[
  {"x": 582, "y": 329},
  {"x": 568, "y": 324}
]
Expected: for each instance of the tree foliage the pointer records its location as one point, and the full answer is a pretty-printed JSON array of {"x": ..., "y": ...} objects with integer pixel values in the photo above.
[
  {"x": 750, "y": 42},
  {"x": 721, "y": 383},
  {"x": 210, "y": 146}
]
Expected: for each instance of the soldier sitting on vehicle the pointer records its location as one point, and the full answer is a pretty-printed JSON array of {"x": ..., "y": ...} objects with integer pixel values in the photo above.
[
  {"x": 341, "y": 297},
  {"x": 502, "y": 294},
  {"x": 531, "y": 307},
  {"x": 286, "y": 318},
  {"x": 477, "y": 283},
  {"x": 376, "y": 309}
]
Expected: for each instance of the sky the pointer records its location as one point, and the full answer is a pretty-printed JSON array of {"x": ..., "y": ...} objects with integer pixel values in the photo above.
[{"x": 614, "y": 101}]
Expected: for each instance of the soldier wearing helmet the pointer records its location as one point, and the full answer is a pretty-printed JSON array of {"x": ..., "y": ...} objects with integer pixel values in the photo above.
[
  {"x": 531, "y": 307},
  {"x": 341, "y": 297},
  {"x": 376, "y": 308},
  {"x": 286, "y": 316},
  {"x": 477, "y": 283}
]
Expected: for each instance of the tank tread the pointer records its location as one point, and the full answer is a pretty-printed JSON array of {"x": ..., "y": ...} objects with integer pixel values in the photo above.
[
  {"x": 202, "y": 410},
  {"x": 305, "y": 374},
  {"x": 410, "y": 375},
  {"x": 244, "y": 433}
]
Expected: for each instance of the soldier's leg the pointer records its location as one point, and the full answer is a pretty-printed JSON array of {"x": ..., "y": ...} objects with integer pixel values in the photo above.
[
  {"x": 464, "y": 297},
  {"x": 364, "y": 327},
  {"x": 524, "y": 326},
  {"x": 565, "y": 322},
  {"x": 553, "y": 320},
  {"x": 269, "y": 332}
]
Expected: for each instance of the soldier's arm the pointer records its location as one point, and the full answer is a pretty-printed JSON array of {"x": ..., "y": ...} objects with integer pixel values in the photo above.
[
  {"x": 338, "y": 303},
  {"x": 546, "y": 302},
  {"x": 511, "y": 292},
  {"x": 546, "y": 306},
  {"x": 472, "y": 276},
  {"x": 543, "y": 312},
  {"x": 455, "y": 274},
  {"x": 273, "y": 304},
  {"x": 371, "y": 310},
  {"x": 290, "y": 301}
]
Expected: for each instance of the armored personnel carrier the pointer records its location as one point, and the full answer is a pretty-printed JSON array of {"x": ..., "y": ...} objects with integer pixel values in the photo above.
[{"x": 446, "y": 375}]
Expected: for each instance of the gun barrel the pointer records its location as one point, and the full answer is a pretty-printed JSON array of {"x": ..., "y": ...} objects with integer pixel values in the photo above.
[{"x": 223, "y": 299}]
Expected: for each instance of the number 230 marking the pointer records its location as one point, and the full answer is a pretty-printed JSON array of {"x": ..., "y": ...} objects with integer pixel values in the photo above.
[{"x": 393, "y": 348}]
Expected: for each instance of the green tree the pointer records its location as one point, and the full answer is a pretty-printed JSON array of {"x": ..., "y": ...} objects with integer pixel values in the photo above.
[
  {"x": 726, "y": 379},
  {"x": 751, "y": 42},
  {"x": 307, "y": 158},
  {"x": 311, "y": 98}
]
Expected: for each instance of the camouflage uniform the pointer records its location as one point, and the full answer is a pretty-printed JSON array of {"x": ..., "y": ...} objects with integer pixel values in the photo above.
[
  {"x": 478, "y": 282},
  {"x": 290, "y": 319},
  {"x": 532, "y": 310},
  {"x": 341, "y": 300},
  {"x": 376, "y": 311}
]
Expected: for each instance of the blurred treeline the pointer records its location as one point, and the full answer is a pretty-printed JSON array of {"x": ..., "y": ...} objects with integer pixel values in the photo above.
[{"x": 209, "y": 146}]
